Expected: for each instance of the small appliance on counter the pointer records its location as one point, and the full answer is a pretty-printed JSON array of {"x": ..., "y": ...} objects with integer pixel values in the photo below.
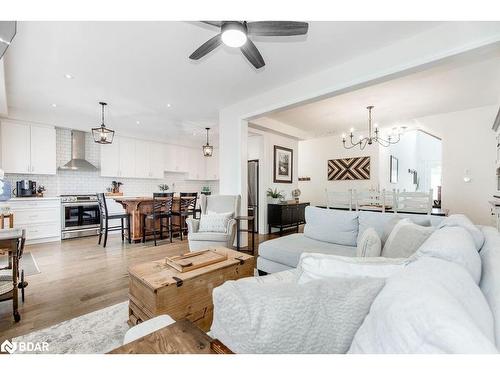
[{"x": 25, "y": 188}]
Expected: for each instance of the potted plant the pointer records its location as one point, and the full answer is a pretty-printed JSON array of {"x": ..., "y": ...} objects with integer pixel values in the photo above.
[
  {"x": 115, "y": 185},
  {"x": 163, "y": 187},
  {"x": 274, "y": 196}
]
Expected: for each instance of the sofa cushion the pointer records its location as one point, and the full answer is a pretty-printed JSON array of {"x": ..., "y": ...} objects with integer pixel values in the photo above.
[
  {"x": 369, "y": 245},
  {"x": 208, "y": 236},
  {"x": 321, "y": 266},
  {"x": 334, "y": 226},
  {"x": 456, "y": 245},
  {"x": 431, "y": 307},
  {"x": 463, "y": 221},
  {"x": 405, "y": 239},
  {"x": 318, "y": 317},
  {"x": 490, "y": 278},
  {"x": 270, "y": 266},
  {"x": 287, "y": 249},
  {"x": 379, "y": 221}
]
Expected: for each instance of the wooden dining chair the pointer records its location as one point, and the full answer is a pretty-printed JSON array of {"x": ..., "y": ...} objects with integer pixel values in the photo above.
[
  {"x": 187, "y": 208},
  {"x": 104, "y": 227},
  {"x": 161, "y": 210}
]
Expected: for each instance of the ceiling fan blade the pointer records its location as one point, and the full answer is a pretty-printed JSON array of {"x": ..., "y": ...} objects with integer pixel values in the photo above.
[
  {"x": 7, "y": 33},
  {"x": 213, "y": 23},
  {"x": 206, "y": 47},
  {"x": 277, "y": 28},
  {"x": 252, "y": 54}
]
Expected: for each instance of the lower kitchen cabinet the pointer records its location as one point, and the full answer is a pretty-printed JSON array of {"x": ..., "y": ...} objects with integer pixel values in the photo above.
[{"x": 41, "y": 217}]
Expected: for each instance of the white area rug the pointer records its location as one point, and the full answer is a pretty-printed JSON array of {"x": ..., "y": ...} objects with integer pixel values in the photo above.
[{"x": 97, "y": 332}]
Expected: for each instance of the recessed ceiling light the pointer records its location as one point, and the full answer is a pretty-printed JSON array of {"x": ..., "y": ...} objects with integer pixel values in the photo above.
[
  {"x": 54, "y": 105},
  {"x": 138, "y": 122},
  {"x": 69, "y": 76},
  {"x": 169, "y": 105}
]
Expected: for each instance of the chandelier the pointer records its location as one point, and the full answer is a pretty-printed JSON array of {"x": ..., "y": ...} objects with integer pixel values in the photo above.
[
  {"x": 102, "y": 134},
  {"x": 372, "y": 137},
  {"x": 207, "y": 149}
]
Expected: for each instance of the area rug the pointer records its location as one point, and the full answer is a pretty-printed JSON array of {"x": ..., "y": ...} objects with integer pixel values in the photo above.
[
  {"x": 97, "y": 332},
  {"x": 28, "y": 264}
]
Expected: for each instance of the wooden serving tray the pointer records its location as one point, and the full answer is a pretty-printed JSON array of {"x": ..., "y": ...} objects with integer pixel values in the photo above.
[{"x": 192, "y": 261}]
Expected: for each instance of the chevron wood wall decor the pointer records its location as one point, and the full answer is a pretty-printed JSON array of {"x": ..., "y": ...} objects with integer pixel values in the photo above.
[{"x": 349, "y": 169}]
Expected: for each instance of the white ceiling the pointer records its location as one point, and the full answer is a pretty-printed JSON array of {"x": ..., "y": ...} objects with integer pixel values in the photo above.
[
  {"x": 467, "y": 82},
  {"x": 139, "y": 67}
]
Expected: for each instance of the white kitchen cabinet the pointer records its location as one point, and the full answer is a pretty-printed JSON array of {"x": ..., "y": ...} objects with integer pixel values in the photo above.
[
  {"x": 156, "y": 160},
  {"x": 28, "y": 149},
  {"x": 172, "y": 157},
  {"x": 142, "y": 159},
  {"x": 40, "y": 217},
  {"x": 110, "y": 159},
  {"x": 43, "y": 150},
  {"x": 127, "y": 157},
  {"x": 212, "y": 167},
  {"x": 196, "y": 169}
]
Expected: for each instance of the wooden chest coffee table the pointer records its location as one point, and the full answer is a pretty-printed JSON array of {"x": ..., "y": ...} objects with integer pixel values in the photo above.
[{"x": 157, "y": 288}]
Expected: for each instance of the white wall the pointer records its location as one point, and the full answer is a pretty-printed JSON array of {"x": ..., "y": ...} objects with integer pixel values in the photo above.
[
  {"x": 468, "y": 144},
  {"x": 262, "y": 147},
  {"x": 313, "y": 162}
]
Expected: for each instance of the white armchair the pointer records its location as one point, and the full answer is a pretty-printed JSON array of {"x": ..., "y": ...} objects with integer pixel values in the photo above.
[{"x": 214, "y": 204}]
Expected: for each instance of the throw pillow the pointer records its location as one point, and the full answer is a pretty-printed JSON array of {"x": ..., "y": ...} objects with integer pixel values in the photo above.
[
  {"x": 313, "y": 266},
  {"x": 405, "y": 239},
  {"x": 463, "y": 221},
  {"x": 454, "y": 244},
  {"x": 319, "y": 317},
  {"x": 369, "y": 245},
  {"x": 215, "y": 222}
]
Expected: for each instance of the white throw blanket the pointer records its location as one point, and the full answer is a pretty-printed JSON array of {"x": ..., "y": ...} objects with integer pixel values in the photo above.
[{"x": 317, "y": 317}]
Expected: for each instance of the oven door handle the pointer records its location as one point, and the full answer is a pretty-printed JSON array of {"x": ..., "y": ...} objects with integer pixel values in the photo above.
[{"x": 76, "y": 204}]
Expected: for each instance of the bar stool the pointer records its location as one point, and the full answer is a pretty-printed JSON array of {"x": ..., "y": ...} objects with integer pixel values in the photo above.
[
  {"x": 162, "y": 209},
  {"x": 187, "y": 208},
  {"x": 104, "y": 222}
]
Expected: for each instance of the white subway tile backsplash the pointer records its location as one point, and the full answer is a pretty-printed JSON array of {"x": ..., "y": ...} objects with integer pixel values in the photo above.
[{"x": 80, "y": 182}]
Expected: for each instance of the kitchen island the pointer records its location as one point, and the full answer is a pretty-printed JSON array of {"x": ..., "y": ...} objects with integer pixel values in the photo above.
[{"x": 139, "y": 206}]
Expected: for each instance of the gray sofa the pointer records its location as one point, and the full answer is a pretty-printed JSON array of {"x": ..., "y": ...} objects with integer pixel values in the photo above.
[{"x": 329, "y": 232}]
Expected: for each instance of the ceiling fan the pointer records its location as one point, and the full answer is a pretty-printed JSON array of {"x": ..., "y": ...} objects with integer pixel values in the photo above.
[{"x": 236, "y": 34}]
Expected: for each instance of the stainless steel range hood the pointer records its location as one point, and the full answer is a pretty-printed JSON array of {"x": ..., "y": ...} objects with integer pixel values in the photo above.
[{"x": 78, "y": 162}]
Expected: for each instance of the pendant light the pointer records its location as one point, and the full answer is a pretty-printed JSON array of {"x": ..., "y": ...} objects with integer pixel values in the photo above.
[
  {"x": 207, "y": 149},
  {"x": 102, "y": 134}
]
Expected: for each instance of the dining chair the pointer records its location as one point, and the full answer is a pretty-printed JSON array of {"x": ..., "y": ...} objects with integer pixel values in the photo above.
[
  {"x": 104, "y": 227},
  {"x": 339, "y": 199},
  {"x": 187, "y": 208},
  {"x": 414, "y": 202},
  {"x": 161, "y": 210}
]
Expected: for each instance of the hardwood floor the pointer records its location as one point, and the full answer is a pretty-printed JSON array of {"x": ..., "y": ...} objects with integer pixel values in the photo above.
[{"x": 77, "y": 277}]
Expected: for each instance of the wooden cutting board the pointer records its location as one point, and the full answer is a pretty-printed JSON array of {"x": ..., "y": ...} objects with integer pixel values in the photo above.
[{"x": 192, "y": 261}]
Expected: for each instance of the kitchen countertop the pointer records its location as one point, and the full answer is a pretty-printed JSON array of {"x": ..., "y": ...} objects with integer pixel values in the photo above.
[{"x": 33, "y": 198}]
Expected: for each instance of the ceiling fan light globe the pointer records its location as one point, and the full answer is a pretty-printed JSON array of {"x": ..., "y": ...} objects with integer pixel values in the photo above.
[{"x": 234, "y": 37}]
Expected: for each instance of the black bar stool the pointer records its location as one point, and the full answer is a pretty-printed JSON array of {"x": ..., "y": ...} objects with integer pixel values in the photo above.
[
  {"x": 162, "y": 209},
  {"x": 104, "y": 222},
  {"x": 187, "y": 208}
]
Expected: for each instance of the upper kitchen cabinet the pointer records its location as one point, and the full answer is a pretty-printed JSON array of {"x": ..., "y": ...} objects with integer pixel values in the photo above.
[
  {"x": 176, "y": 158},
  {"x": 28, "y": 149},
  {"x": 212, "y": 165},
  {"x": 133, "y": 158}
]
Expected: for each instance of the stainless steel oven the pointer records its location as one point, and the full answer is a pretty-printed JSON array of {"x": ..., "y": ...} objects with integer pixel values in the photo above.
[{"x": 79, "y": 216}]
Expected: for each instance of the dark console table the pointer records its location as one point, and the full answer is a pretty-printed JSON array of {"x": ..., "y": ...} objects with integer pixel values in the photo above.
[{"x": 286, "y": 215}]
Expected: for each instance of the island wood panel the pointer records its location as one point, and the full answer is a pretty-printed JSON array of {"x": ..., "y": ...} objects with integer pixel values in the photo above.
[{"x": 137, "y": 207}]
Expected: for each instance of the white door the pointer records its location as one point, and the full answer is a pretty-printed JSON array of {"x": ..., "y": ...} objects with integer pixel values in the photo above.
[
  {"x": 142, "y": 159},
  {"x": 110, "y": 159},
  {"x": 15, "y": 148},
  {"x": 127, "y": 157},
  {"x": 156, "y": 159},
  {"x": 43, "y": 150}
]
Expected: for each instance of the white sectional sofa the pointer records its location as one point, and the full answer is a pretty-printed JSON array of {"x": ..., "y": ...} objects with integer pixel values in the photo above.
[
  {"x": 445, "y": 298},
  {"x": 328, "y": 232}
]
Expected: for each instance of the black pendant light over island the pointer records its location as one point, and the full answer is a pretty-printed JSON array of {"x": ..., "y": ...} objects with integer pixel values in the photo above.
[
  {"x": 207, "y": 149},
  {"x": 102, "y": 134}
]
